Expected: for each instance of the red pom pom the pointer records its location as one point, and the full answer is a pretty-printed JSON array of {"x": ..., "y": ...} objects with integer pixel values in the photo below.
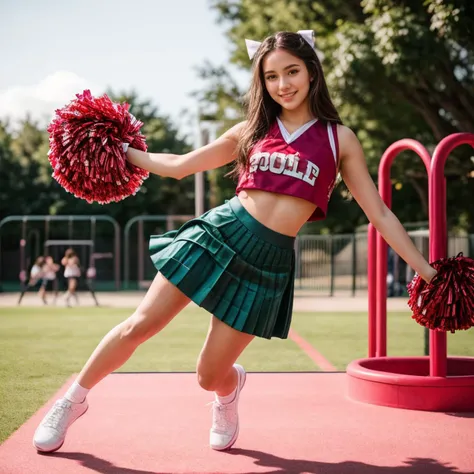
[
  {"x": 447, "y": 302},
  {"x": 86, "y": 151}
]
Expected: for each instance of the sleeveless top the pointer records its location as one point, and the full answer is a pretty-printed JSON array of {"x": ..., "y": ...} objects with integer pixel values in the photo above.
[
  {"x": 303, "y": 164},
  {"x": 72, "y": 269}
]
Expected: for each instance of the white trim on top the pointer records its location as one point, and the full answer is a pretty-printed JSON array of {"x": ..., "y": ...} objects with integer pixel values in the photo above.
[
  {"x": 332, "y": 142},
  {"x": 291, "y": 137}
]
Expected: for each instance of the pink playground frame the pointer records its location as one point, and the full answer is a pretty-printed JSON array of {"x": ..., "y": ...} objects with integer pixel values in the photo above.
[{"x": 437, "y": 382}]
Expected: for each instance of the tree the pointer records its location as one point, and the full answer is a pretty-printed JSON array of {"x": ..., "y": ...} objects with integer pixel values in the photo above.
[
  {"x": 27, "y": 187},
  {"x": 220, "y": 102},
  {"x": 27, "y": 174},
  {"x": 157, "y": 195},
  {"x": 10, "y": 171},
  {"x": 396, "y": 69}
]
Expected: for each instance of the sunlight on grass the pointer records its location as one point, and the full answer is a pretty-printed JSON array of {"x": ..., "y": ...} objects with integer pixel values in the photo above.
[{"x": 42, "y": 347}]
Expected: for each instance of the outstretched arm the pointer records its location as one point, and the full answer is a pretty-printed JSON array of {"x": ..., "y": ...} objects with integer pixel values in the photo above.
[
  {"x": 216, "y": 154},
  {"x": 355, "y": 174}
]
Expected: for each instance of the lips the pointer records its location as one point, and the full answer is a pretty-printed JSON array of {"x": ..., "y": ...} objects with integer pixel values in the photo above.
[{"x": 287, "y": 96}]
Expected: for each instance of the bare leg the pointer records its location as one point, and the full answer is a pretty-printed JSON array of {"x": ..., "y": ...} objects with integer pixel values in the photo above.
[
  {"x": 55, "y": 290},
  {"x": 91, "y": 291},
  {"x": 221, "y": 349},
  {"x": 161, "y": 304},
  {"x": 42, "y": 293},
  {"x": 72, "y": 287},
  {"x": 25, "y": 288},
  {"x": 216, "y": 372}
]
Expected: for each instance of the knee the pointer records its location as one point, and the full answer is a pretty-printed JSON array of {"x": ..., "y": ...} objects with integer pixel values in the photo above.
[
  {"x": 208, "y": 379},
  {"x": 136, "y": 329}
]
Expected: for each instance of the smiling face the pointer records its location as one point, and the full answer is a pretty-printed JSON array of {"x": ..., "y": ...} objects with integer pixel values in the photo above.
[{"x": 286, "y": 79}]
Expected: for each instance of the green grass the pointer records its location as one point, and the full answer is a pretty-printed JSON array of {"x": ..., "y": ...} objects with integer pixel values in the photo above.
[
  {"x": 342, "y": 337},
  {"x": 42, "y": 347}
]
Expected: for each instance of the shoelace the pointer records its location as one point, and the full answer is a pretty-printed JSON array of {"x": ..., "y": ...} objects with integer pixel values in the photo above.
[
  {"x": 222, "y": 414},
  {"x": 58, "y": 416}
]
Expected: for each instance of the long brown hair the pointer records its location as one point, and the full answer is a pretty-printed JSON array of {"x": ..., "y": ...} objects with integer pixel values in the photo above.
[
  {"x": 262, "y": 110},
  {"x": 70, "y": 253}
]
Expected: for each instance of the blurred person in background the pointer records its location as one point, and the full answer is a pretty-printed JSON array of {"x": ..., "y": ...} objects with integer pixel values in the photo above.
[
  {"x": 72, "y": 273},
  {"x": 50, "y": 280},
  {"x": 35, "y": 280}
]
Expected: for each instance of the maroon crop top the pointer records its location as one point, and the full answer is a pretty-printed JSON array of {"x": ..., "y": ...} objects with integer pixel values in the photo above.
[{"x": 303, "y": 164}]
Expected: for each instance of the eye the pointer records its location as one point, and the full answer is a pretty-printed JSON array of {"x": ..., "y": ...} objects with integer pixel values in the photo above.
[
  {"x": 270, "y": 77},
  {"x": 293, "y": 72}
]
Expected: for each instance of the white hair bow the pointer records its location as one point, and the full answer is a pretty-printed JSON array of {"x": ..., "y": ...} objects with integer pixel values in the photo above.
[{"x": 308, "y": 36}]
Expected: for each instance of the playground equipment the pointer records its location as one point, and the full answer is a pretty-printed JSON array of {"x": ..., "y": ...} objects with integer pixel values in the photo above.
[
  {"x": 436, "y": 382},
  {"x": 168, "y": 220},
  {"x": 87, "y": 255}
]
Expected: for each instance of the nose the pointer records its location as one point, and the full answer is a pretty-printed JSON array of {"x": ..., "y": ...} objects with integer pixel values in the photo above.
[{"x": 284, "y": 83}]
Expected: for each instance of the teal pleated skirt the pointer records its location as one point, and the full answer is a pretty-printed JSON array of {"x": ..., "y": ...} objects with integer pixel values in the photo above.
[{"x": 233, "y": 266}]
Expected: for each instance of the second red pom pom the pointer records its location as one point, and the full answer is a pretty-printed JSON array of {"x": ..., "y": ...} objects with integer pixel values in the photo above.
[{"x": 447, "y": 302}]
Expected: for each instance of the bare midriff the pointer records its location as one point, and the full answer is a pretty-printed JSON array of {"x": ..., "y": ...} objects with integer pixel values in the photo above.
[{"x": 281, "y": 213}]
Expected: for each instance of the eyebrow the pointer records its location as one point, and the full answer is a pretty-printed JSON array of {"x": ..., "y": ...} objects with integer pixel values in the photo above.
[{"x": 285, "y": 68}]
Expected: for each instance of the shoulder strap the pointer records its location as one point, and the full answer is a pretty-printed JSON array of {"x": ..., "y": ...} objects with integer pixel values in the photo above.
[{"x": 333, "y": 141}]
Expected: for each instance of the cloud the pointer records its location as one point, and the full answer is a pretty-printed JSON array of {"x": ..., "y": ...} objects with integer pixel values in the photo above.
[{"x": 40, "y": 100}]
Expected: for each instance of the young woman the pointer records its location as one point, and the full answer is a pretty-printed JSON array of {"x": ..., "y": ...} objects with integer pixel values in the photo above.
[
  {"x": 35, "y": 280},
  {"x": 72, "y": 273},
  {"x": 50, "y": 283},
  {"x": 237, "y": 260}
]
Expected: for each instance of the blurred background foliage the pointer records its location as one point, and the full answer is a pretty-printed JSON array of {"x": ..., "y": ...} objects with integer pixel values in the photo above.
[{"x": 395, "y": 69}]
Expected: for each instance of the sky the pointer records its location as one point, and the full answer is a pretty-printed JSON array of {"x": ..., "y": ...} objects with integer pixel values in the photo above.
[{"x": 52, "y": 50}]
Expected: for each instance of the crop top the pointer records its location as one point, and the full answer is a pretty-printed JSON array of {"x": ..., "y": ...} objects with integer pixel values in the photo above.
[{"x": 303, "y": 164}]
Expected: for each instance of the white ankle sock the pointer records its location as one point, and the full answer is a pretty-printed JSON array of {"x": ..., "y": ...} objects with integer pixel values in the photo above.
[
  {"x": 228, "y": 398},
  {"x": 76, "y": 393}
]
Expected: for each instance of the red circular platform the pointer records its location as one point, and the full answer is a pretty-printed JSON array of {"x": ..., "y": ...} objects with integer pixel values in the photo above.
[{"x": 404, "y": 382}]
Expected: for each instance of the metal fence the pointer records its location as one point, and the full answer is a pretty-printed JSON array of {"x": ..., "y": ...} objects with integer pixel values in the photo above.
[
  {"x": 331, "y": 263},
  {"x": 337, "y": 264},
  {"x": 96, "y": 240},
  {"x": 325, "y": 264}
]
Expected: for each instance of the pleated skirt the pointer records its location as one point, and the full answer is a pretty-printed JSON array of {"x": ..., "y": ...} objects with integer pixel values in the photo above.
[{"x": 233, "y": 266}]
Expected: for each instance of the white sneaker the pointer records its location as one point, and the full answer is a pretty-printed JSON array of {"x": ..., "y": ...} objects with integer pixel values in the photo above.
[
  {"x": 225, "y": 418},
  {"x": 51, "y": 432}
]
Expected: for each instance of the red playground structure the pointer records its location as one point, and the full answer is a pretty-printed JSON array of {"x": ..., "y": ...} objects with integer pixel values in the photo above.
[{"x": 436, "y": 382}]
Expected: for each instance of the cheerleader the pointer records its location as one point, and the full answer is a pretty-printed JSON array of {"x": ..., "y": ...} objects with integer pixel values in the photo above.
[
  {"x": 35, "y": 280},
  {"x": 72, "y": 273},
  {"x": 50, "y": 282},
  {"x": 237, "y": 260}
]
